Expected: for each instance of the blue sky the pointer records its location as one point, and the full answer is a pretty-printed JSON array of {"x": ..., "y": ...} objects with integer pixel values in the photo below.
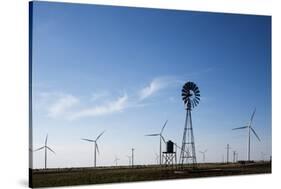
[{"x": 121, "y": 70}]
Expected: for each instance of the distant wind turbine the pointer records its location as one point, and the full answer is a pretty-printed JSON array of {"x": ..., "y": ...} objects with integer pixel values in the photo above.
[
  {"x": 45, "y": 147},
  {"x": 96, "y": 147},
  {"x": 129, "y": 157},
  {"x": 116, "y": 160},
  {"x": 161, "y": 138},
  {"x": 203, "y": 153},
  {"x": 250, "y": 128},
  {"x": 156, "y": 158}
]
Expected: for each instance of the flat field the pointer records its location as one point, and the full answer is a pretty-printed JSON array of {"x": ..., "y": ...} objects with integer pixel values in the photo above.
[{"x": 100, "y": 175}]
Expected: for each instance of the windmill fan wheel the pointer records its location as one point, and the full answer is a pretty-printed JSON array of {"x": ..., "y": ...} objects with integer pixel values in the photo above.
[{"x": 190, "y": 95}]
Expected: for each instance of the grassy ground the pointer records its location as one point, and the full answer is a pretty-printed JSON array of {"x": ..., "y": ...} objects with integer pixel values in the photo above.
[{"x": 82, "y": 176}]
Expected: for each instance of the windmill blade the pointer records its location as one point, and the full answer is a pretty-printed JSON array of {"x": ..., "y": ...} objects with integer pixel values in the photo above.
[
  {"x": 163, "y": 127},
  {"x": 46, "y": 140},
  {"x": 39, "y": 149},
  {"x": 87, "y": 140},
  {"x": 153, "y": 135},
  {"x": 163, "y": 138},
  {"x": 244, "y": 127},
  {"x": 252, "y": 117},
  {"x": 99, "y": 135},
  {"x": 97, "y": 147},
  {"x": 50, "y": 149},
  {"x": 255, "y": 134}
]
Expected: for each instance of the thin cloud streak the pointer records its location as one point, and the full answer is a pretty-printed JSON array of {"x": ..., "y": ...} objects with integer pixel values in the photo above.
[
  {"x": 63, "y": 104},
  {"x": 69, "y": 107},
  {"x": 155, "y": 86},
  {"x": 108, "y": 108}
]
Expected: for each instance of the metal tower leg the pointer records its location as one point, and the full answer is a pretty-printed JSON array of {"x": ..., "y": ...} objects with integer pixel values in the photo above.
[{"x": 188, "y": 153}]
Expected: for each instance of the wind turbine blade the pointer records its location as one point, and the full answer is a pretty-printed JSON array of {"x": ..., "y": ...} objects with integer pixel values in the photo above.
[
  {"x": 46, "y": 140},
  {"x": 252, "y": 117},
  {"x": 163, "y": 127},
  {"x": 255, "y": 134},
  {"x": 99, "y": 135},
  {"x": 240, "y": 128},
  {"x": 39, "y": 149},
  {"x": 163, "y": 138},
  {"x": 50, "y": 149},
  {"x": 153, "y": 135},
  {"x": 97, "y": 148},
  {"x": 87, "y": 140}
]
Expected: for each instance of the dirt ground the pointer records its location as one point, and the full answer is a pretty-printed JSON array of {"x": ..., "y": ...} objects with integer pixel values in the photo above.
[{"x": 84, "y": 176}]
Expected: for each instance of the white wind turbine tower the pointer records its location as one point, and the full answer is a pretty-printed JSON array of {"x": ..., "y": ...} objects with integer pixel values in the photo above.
[
  {"x": 46, "y": 148},
  {"x": 96, "y": 147},
  {"x": 203, "y": 153},
  {"x": 250, "y": 128},
  {"x": 160, "y": 138}
]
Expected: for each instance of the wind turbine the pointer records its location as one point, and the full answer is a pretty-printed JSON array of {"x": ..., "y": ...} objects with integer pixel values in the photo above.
[
  {"x": 96, "y": 149},
  {"x": 161, "y": 138},
  {"x": 156, "y": 158},
  {"x": 250, "y": 128},
  {"x": 46, "y": 148},
  {"x": 203, "y": 153},
  {"x": 129, "y": 157},
  {"x": 116, "y": 160}
]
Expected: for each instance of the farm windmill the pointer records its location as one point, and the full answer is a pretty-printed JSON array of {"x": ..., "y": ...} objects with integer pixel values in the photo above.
[
  {"x": 46, "y": 148},
  {"x": 160, "y": 138},
  {"x": 191, "y": 98},
  {"x": 96, "y": 147},
  {"x": 250, "y": 128},
  {"x": 203, "y": 154}
]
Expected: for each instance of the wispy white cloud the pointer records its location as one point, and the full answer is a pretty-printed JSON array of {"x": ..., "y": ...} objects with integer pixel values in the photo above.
[
  {"x": 99, "y": 95},
  {"x": 70, "y": 107},
  {"x": 62, "y": 105},
  {"x": 117, "y": 105},
  {"x": 155, "y": 86}
]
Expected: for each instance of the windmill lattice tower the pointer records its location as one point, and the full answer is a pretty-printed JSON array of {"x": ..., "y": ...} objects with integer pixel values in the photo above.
[{"x": 191, "y": 98}]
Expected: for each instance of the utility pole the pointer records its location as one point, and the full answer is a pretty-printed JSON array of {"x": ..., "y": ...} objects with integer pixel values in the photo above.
[
  {"x": 227, "y": 153},
  {"x": 133, "y": 157},
  {"x": 234, "y": 155}
]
